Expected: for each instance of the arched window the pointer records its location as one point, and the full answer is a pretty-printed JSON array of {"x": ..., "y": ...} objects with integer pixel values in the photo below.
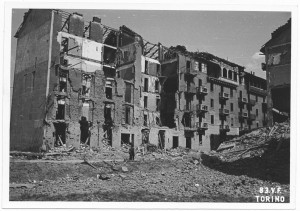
[
  {"x": 224, "y": 73},
  {"x": 230, "y": 74},
  {"x": 235, "y": 76}
]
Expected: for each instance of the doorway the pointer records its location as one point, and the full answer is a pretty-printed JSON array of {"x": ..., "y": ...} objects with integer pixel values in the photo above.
[
  {"x": 175, "y": 142},
  {"x": 161, "y": 139},
  {"x": 188, "y": 142}
]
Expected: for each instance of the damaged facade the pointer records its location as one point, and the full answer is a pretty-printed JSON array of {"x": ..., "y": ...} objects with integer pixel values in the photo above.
[
  {"x": 278, "y": 70},
  {"x": 130, "y": 90}
]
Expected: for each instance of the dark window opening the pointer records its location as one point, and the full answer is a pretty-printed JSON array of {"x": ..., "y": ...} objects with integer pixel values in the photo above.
[
  {"x": 175, "y": 142},
  {"x": 200, "y": 139},
  {"x": 235, "y": 76},
  {"x": 60, "y": 133},
  {"x": 256, "y": 98},
  {"x": 156, "y": 86},
  {"x": 127, "y": 93},
  {"x": 161, "y": 139},
  {"x": 86, "y": 85},
  {"x": 145, "y": 120},
  {"x": 60, "y": 112},
  {"x": 211, "y": 103},
  {"x": 231, "y": 92},
  {"x": 108, "y": 92},
  {"x": 146, "y": 85},
  {"x": 257, "y": 125},
  {"x": 188, "y": 65},
  {"x": 157, "y": 104},
  {"x": 145, "y": 136},
  {"x": 109, "y": 55},
  {"x": 146, "y": 67},
  {"x": 231, "y": 122},
  {"x": 224, "y": 73},
  {"x": 188, "y": 142},
  {"x": 107, "y": 115},
  {"x": 241, "y": 94},
  {"x": 64, "y": 44},
  {"x": 125, "y": 138},
  {"x": 211, "y": 87},
  {"x": 212, "y": 119},
  {"x": 230, "y": 74},
  {"x": 199, "y": 82},
  {"x": 157, "y": 120},
  {"x": 145, "y": 101},
  {"x": 231, "y": 106},
  {"x": 127, "y": 115},
  {"x": 63, "y": 82},
  {"x": 257, "y": 112}
]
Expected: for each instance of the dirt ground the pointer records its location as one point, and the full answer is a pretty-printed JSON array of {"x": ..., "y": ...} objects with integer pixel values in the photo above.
[{"x": 153, "y": 180}]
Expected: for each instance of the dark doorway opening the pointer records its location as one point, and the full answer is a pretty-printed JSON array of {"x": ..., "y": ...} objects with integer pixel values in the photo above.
[
  {"x": 60, "y": 112},
  {"x": 125, "y": 138},
  {"x": 108, "y": 92},
  {"x": 60, "y": 133},
  {"x": 161, "y": 139},
  {"x": 188, "y": 142},
  {"x": 145, "y": 136},
  {"x": 175, "y": 141}
]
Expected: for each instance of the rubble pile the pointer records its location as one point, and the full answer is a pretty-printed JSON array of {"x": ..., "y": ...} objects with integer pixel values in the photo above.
[{"x": 255, "y": 143}]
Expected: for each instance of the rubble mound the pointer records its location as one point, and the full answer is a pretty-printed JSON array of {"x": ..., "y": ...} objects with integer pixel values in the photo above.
[{"x": 263, "y": 153}]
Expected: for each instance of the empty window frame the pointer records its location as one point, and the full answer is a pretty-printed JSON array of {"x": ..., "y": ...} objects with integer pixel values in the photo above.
[
  {"x": 212, "y": 119},
  {"x": 157, "y": 104},
  {"x": 145, "y": 101},
  {"x": 146, "y": 84},
  {"x": 60, "y": 112},
  {"x": 63, "y": 81},
  {"x": 127, "y": 115},
  {"x": 145, "y": 120},
  {"x": 86, "y": 85},
  {"x": 211, "y": 87},
  {"x": 108, "y": 92},
  {"x": 211, "y": 103},
  {"x": 156, "y": 86}
]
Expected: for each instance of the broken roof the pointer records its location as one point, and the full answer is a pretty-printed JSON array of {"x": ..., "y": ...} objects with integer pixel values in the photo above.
[{"x": 276, "y": 33}]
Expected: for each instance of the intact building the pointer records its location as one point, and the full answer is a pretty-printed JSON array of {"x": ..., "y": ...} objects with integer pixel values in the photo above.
[
  {"x": 129, "y": 89},
  {"x": 278, "y": 69}
]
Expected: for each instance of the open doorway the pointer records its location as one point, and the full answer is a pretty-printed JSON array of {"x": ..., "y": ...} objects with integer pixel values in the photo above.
[
  {"x": 161, "y": 139},
  {"x": 145, "y": 136},
  {"x": 60, "y": 133},
  {"x": 175, "y": 142},
  {"x": 188, "y": 142},
  {"x": 125, "y": 138}
]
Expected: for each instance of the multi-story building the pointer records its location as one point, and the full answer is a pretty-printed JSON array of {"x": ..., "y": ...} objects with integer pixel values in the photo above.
[
  {"x": 278, "y": 71},
  {"x": 131, "y": 90}
]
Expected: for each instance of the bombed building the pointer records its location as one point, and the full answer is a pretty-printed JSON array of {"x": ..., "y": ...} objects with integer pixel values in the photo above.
[
  {"x": 278, "y": 68},
  {"x": 129, "y": 90}
]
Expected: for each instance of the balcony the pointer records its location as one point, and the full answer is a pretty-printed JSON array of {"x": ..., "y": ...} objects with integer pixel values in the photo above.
[
  {"x": 251, "y": 103},
  {"x": 252, "y": 117},
  {"x": 243, "y": 100},
  {"x": 189, "y": 72},
  {"x": 202, "y": 108},
  {"x": 202, "y": 90},
  {"x": 190, "y": 90},
  {"x": 264, "y": 107},
  {"x": 188, "y": 108},
  {"x": 257, "y": 90},
  {"x": 243, "y": 114},
  {"x": 223, "y": 96},
  {"x": 202, "y": 125},
  {"x": 190, "y": 127},
  {"x": 224, "y": 128},
  {"x": 224, "y": 111}
]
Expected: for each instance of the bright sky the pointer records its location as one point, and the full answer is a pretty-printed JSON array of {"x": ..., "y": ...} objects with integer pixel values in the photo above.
[{"x": 233, "y": 35}]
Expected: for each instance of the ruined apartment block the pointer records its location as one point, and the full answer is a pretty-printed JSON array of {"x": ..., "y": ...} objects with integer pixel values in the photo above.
[
  {"x": 277, "y": 65},
  {"x": 129, "y": 89}
]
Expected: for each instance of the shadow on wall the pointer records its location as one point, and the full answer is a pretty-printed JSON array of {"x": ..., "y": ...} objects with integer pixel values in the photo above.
[{"x": 272, "y": 165}]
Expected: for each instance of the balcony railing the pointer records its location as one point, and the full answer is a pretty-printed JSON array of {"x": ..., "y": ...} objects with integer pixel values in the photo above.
[
  {"x": 202, "y": 108},
  {"x": 243, "y": 100},
  {"x": 190, "y": 90},
  {"x": 224, "y": 111},
  {"x": 202, "y": 125},
  {"x": 188, "y": 108},
  {"x": 252, "y": 117},
  {"x": 224, "y": 128},
  {"x": 251, "y": 102},
  {"x": 202, "y": 90},
  {"x": 224, "y": 96}
]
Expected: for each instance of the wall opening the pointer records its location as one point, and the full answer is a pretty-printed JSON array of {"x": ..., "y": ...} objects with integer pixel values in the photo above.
[
  {"x": 125, "y": 138},
  {"x": 175, "y": 142},
  {"x": 145, "y": 120},
  {"x": 145, "y": 102},
  {"x": 60, "y": 112},
  {"x": 156, "y": 86},
  {"x": 108, "y": 92},
  {"x": 146, "y": 84},
  {"x": 63, "y": 81},
  {"x": 161, "y": 139},
  {"x": 145, "y": 136},
  {"x": 188, "y": 142},
  {"x": 60, "y": 133}
]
